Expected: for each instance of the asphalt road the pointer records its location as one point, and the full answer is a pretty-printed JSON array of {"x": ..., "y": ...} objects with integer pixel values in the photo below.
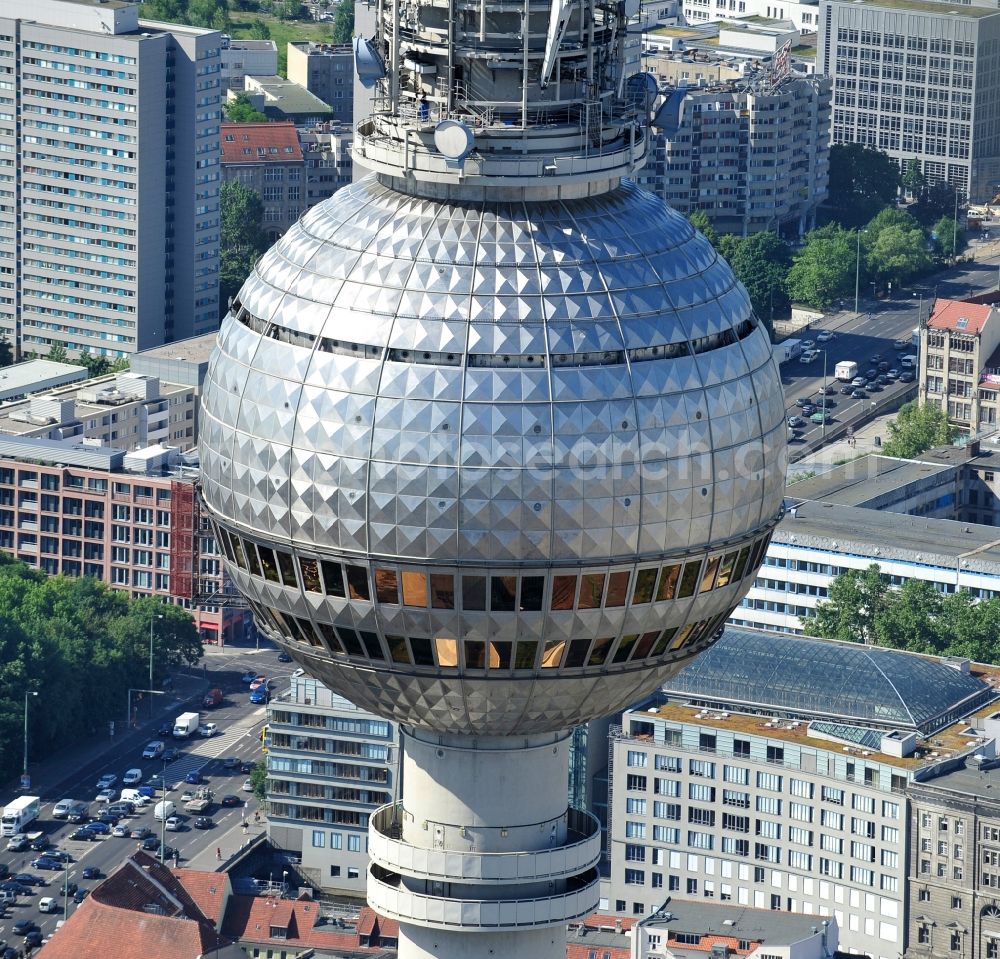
[
  {"x": 239, "y": 725},
  {"x": 860, "y": 337}
]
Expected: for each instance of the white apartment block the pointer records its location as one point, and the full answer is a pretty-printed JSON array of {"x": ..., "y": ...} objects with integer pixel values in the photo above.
[
  {"x": 109, "y": 178},
  {"x": 917, "y": 79},
  {"x": 803, "y": 13},
  {"x": 772, "y": 774},
  {"x": 245, "y": 58},
  {"x": 330, "y": 765}
]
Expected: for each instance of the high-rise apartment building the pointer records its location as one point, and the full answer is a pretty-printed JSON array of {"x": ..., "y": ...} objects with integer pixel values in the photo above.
[
  {"x": 917, "y": 79},
  {"x": 753, "y": 154},
  {"x": 109, "y": 177}
]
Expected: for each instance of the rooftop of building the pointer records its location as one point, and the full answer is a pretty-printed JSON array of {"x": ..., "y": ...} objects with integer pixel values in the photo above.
[
  {"x": 330, "y": 49},
  {"x": 959, "y": 316},
  {"x": 239, "y": 44},
  {"x": 284, "y": 98},
  {"x": 816, "y": 677},
  {"x": 195, "y": 349},
  {"x": 731, "y": 921},
  {"x": 885, "y": 536},
  {"x": 19, "y": 379},
  {"x": 929, "y": 6},
  {"x": 971, "y": 778},
  {"x": 673, "y": 31},
  {"x": 259, "y": 143},
  {"x": 105, "y": 4}
]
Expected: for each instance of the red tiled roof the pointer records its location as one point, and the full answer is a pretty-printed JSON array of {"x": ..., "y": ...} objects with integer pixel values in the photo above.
[
  {"x": 208, "y": 890},
  {"x": 584, "y": 950},
  {"x": 370, "y": 923},
  {"x": 950, "y": 314},
  {"x": 259, "y": 143},
  {"x": 708, "y": 941}
]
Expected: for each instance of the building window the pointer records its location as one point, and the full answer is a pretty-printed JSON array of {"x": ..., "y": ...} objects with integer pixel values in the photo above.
[{"x": 318, "y": 839}]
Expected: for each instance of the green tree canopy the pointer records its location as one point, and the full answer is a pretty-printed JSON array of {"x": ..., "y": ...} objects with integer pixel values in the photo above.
[
  {"x": 898, "y": 254},
  {"x": 81, "y": 646},
  {"x": 96, "y": 365},
  {"x": 700, "y": 221},
  {"x": 862, "y": 181},
  {"x": 57, "y": 353},
  {"x": 258, "y": 779},
  {"x": 259, "y": 30},
  {"x": 241, "y": 110},
  {"x": 917, "y": 428},
  {"x": 761, "y": 262},
  {"x": 213, "y": 14},
  {"x": 823, "y": 270},
  {"x": 6, "y": 351},
  {"x": 242, "y": 240},
  {"x": 948, "y": 237},
  {"x": 913, "y": 180},
  {"x": 937, "y": 200},
  {"x": 343, "y": 22},
  {"x": 862, "y": 607}
]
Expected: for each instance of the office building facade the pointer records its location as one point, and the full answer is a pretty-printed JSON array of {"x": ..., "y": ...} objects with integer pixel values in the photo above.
[
  {"x": 109, "y": 178},
  {"x": 326, "y": 70},
  {"x": 330, "y": 765},
  {"x": 785, "y": 794},
  {"x": 917, "y": 80},
  {"x": 752, "y": 154}
]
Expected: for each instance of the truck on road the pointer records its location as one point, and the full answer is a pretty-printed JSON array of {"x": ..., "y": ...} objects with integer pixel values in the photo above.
[
  {"x": 200, "y": 804},
  {"x": 186, "y": 725},
  {"x": 846, "y": 370},
  {"x": 18, "y": 814},
  {"x": 788, "y": 350}
]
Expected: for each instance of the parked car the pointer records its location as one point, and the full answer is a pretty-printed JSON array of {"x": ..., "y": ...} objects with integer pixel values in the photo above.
[
  {"x": 131, "y": 777},
  {"x": 18, "y": 888},
  {"x": 107, "y": 819},
  {"x": 18, "y": 843},
  {"x": 30, "y": 879},
  {"x": 83, "y": 834},
  {"x": 120, "y": 832},
  {"x": 106, "y": 781},
  {"x": 58, "y": 855},
  {"x": 105, "y": 795},
  {"x": 46, "y": 862},
  {"x": 99, "y": 827},
  {"x": 23, "y": 926},
  {"x": 39, "y": 843}
]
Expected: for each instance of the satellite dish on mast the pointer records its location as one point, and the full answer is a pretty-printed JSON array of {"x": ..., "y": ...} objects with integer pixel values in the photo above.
[
  {"x": 367, "y": 62},
  {"x": 454, "y": 140}
]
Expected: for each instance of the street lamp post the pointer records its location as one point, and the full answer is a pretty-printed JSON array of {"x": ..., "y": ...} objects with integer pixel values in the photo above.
[
  {"x": 128, "y": 705},
  {"x": 152, "y": 620},
  {"x": 27, "y": 693}
]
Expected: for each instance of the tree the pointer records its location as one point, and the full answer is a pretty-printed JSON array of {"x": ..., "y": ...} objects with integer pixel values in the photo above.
[
  {"x": 343, "y": 22},
  {"x": 241, "y": 241},
  {"x": 96, "y": 365},
  {"x": 897, "y": 254},
  {"x": 761, "y": 263},
  {"x": 855, "y": 602},
  {"x": 823, "y": 270},
  {"x": 57, "y": 353},
  {"x": 937, "y": 200},
  {"x": 290, "y": 10},
  {"x": 258, "y": 779},
  {"x": 6, "y": 351},
  {"x": 862, "y": 181},
  {"x": 917, "y": 428},
  {"x": 241, "y": 110},
  {"x": 948, "y": 237},
  {"x": 913, "y": 180},
  {"x": 166, "y": 11},
  {"x": 213, "y": 14},
  {"x": 969, "y": 627},
  {"x": 259, "y": 30},
  {"x": 700, "y": 221},
  {"x": 909, "y": 619}
]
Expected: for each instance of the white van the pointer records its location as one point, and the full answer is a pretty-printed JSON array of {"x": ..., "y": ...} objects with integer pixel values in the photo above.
[
  {"x": 48, "y": 904},
  {"x": 164, "y": 809},
  {"x": 908, "y": 362},
  {"x": 132, "y": 777},
  {"x": 134, "y": 796}
]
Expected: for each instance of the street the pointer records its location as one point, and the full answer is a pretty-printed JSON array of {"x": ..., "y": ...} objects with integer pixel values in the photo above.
[
  {"x": 239, "y": 725},
  {"x": 861, "y": 337}
]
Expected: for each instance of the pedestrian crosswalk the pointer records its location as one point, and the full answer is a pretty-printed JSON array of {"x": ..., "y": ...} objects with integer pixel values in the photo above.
[{"x": 200, "y": 752}]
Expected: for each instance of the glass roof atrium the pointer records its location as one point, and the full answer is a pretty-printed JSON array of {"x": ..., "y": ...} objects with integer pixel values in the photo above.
[{"x": 805, "y": 678}]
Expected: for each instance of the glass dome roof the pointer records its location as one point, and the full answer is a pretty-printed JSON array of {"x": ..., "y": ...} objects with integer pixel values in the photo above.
[{"x": 813, "y": 676}]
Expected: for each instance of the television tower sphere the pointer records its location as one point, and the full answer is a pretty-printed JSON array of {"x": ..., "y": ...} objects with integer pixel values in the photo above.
[{"x": 492, "y": 441}]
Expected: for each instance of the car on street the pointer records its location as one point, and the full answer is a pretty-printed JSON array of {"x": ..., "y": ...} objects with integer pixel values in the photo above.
[
  {"x": 46, "y": 862},
  {"x": 808, "y": 409},
  {"x": 170, "y": 754},
  {"x": 893, "y": 373},
  {"x": 259, "y": 695},
  {"x": 247, "y": 766},
  {"x": 248, "y": 785},
  {"x": 99, "y": 827},
  {"x": 105, "y": 795},
  {"x": 132, "y": 777},
  {"x": 82, "y": 834},
  {"x": 231, "y": 762},
  {"x": 58, "y": 855},
  {"x": 165, "y": 729},
  {"x": 23, "y": 926},
  {"x": 156, "y": 781},
  {"x": 900, "y": 344},
  {"x": 873, "y": 386},
  {"x": 230, "y": 801},
  {"x": 153, "y": 750},
  {"x": 107, "y": 819},
  {"x": 106, "y": 781},
  {"x": 80, "y": 895},
  {"x": 33, "y": 940},
  {"x": 30, "y": 879},
  {"x": 39, "y": 843},
  {"x": 824, "y": 336},
  {"x": 193, "y": 778},
  {"x": 18, "y": 888},
  {"x": 907, "y": 376},
  {"x": 871, "y": 373},
  {"x": 808, "y": 346},
  {"x": 120, "y": 832},
  {"x": 283, "y": 657},
  {"x": 91, "y": 872},
  {"x": 846, "y": 390},
  {"x": 18, "y": 843},
  {"x": 173, "y": 824},
  {"x": 882, "y": 380},
  {"x": 859, "y": 394},
  {"x": 151, "y": 843},
  {"x": 883, "y": 366},
  {"x": 803, "y": 401},
  {"x": 207, "y": 730},
  {"x": 143, "y": 832},
  {"x": 203, "y": 822},
  {"x": 258, "y": 682},
  {"x": 809, "y": 357},
  {"x": 820, "y": 417},
  {"x": 875, "y": 357},
  {"x": 827, "y": 390}
]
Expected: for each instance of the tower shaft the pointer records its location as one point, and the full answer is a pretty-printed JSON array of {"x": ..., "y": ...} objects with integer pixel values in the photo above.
[{"x": 482, "y": 857}]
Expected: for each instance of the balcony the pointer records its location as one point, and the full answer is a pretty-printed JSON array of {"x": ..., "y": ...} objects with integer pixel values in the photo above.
[
  {"x": 388, "y": 896},
  {"x": 580, "y": 852}
]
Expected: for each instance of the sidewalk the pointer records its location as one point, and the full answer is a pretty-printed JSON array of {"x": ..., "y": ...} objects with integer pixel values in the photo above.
[
  {"x": 227, "y": 843},
  {"x": 841, "y": 451}
]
